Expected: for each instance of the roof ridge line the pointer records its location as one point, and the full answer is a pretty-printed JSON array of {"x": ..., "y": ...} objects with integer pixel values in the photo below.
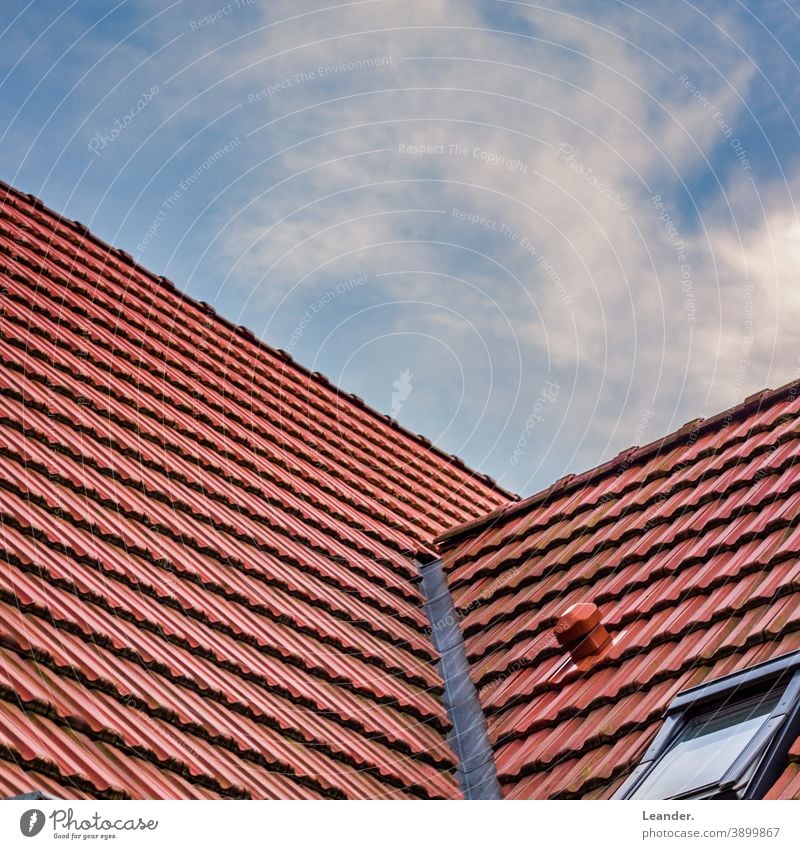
[
  {"x": 634, "y": 454},
  {"x": 246, "y": 333},
  {"x": 491, "y": 570},
  {"x": 407, "y": 507}
]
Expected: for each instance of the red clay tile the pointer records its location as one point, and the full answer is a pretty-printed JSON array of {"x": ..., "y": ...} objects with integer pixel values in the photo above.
[
  {"x": 691, "y": 554},
  {"x": 210, "y": 550}
]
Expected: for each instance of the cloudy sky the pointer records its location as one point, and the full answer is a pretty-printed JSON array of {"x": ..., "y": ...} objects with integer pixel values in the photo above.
[{"x": 538, "y": 233}]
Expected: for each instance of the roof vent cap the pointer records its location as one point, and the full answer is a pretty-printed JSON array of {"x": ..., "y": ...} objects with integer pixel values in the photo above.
[{"x": 581, "y": 631}]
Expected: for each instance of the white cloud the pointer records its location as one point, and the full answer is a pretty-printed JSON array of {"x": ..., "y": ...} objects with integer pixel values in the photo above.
[
  {"x": 566, "y": 267},
  {"x": 624, "y": 343}
]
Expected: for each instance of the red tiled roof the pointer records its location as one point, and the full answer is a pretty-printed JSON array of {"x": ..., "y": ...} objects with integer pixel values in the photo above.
[
  {"x": 688, "y": 546},
  {"x": 209, "y": 581},
  {"x": 788, "y": 785}
]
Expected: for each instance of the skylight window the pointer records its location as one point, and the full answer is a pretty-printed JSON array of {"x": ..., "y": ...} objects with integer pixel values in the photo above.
[{"x": 726, "y": 739}]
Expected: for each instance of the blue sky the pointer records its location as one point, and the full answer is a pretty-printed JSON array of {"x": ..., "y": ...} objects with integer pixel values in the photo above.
[{"x": 571, "y": 224}]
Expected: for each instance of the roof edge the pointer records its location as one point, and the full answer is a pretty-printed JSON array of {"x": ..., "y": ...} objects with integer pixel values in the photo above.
[
  {"x": 635, "y": 454},
  {"x": 159, "y": 280}
]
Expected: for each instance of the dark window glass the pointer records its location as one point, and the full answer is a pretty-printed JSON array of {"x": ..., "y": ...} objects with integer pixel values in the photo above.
[{"x": 706, "y": 747}]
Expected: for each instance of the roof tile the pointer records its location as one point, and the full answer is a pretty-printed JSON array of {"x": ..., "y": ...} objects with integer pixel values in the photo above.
[
  {"x": 209, "y": 581},
  {"x": 690, "y": 549}
]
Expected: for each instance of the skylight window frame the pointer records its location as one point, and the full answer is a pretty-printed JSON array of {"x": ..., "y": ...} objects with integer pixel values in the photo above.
[{"x": 759, "y": 764}]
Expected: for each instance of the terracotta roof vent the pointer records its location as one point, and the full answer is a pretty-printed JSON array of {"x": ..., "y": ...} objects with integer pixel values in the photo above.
[{"x": 580, "y": 630}]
